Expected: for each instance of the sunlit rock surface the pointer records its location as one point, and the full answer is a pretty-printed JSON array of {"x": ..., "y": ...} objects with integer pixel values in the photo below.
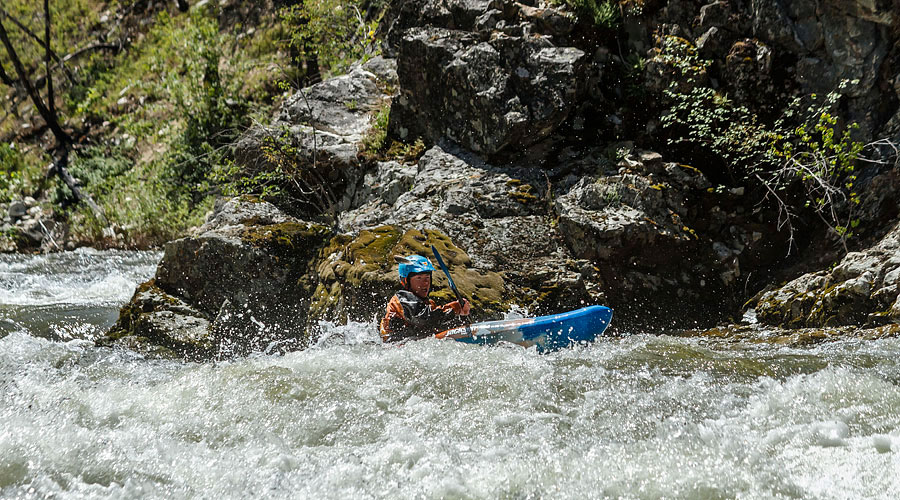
[
  {"x": 488, "y": 83},
  {"x": 862, "y": 288},
  {"x": 529, "y": 182}
]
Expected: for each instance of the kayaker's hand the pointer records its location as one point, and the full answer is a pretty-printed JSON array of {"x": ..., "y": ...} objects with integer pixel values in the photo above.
[{"x": 462, "y": 310}]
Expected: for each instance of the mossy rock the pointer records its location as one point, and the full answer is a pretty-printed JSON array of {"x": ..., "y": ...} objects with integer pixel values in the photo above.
[
  {"x": 358, "y": 275},
  {"x": 293, "y": 240},
  {"x": 158, "y": 324}
]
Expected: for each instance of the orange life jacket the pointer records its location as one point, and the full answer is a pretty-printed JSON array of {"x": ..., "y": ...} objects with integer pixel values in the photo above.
[{"x": 410, "y": 316}]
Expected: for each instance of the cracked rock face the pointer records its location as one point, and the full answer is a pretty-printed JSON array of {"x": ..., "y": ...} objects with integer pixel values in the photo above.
[
  {"x": 862, "y": 288},
  {"x": 487, "y": 82},
  {"x": 318, "y": 133},
  {"x": 496, "y": 214}
]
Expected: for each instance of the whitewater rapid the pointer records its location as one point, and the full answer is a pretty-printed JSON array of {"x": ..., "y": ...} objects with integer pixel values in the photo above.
[{"x": 640, "y": 416}]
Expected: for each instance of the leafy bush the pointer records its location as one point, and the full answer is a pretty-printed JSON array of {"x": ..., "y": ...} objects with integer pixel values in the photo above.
[
  {"x": 20, "y": 173},
  {"x": 821, "y": 155},
  {"x": 603, "y": 13},
  {"x": 334, "y": 33},
  {"x": 704, "y": 119},
  {"x": 807, "y": 149}
]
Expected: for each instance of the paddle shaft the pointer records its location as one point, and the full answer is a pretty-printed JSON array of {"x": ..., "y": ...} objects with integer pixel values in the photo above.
[{"x": 459, "y": 297}]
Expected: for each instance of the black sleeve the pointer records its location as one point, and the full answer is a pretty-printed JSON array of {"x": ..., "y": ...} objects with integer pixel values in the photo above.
[
  {"x": 401, "y": 330},
  {"x": 421, "y": 321},
  {"x": 436, "y": 321}
]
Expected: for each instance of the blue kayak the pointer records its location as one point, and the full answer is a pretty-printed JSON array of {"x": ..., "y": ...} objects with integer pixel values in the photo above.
[{"x": 548, "y": 333}]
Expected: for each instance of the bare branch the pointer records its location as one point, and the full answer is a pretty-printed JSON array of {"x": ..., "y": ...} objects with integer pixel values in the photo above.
[
  {"x": 61, "y": 136},
  {"x": 39, "y": 41},
  {"x": 51, "y": 101},
  {"x": 59, "y": 168},
  {"x": 97, "y": 46}
]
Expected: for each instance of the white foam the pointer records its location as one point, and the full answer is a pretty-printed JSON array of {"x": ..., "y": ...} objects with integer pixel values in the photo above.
[
  {"x": 75, "y": 278},
  {"x": 641, "y": 417}
]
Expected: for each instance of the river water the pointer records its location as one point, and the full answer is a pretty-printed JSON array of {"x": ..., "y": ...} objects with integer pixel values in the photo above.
[{"x": 637, "y": 416}]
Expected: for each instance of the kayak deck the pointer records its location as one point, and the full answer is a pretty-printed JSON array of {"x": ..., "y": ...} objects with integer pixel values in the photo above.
[{"x": 548, "y": 333}]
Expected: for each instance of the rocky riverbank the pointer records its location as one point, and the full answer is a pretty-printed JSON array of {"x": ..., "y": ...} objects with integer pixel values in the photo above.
[{"x": 539, "y": 185}]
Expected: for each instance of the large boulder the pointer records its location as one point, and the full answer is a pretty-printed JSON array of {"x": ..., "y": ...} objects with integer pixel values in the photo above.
[
  {"x": 485, "y": 81},
  {"x": 668, "y": 249},
  {"x": 863, "y": 288},
  {"x": 645, "y": 241},
  {"x": 313, "y": 144},
  {"x": 358, "y": 274},
  {"x": 243, "y": 282},
  {"x": 499, "y": 218}
]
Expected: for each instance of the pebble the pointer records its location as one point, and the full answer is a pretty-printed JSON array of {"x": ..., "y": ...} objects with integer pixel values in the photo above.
[{"x": 17, "y": 209}]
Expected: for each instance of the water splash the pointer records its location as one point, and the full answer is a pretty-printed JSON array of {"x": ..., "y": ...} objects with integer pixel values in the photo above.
[
  {"x": 73, "y": 295},
  {"x": 633, "y": 417},
  {"x": 432, "y": 419}
]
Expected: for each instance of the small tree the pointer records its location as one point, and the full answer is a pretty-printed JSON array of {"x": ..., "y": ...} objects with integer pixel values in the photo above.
[{"x": 45, "y": 107}]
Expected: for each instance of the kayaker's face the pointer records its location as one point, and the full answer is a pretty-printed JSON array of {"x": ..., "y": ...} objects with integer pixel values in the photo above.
[{"x": 420, "y": 284}]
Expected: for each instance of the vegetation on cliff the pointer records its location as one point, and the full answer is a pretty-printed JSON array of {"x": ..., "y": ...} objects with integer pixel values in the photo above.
[{"x": 153, "y": 99}]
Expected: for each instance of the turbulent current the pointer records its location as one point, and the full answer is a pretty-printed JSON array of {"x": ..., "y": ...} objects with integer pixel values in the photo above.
[{"x": 636, "y": 416}]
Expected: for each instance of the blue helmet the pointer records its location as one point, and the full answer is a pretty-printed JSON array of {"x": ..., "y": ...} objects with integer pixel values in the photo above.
[{"x": 412, "y": 265}]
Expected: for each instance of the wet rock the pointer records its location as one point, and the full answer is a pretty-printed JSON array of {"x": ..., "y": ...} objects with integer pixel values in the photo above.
[
  {"x": 164, "y": 325},
  {"x": 248, "y": 274},
  {"x": 862, "y": 287}
]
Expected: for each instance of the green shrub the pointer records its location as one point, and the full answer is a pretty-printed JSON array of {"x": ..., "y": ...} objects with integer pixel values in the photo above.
[
  {"x": 704, "y": 119},
  {"x": 603, "y": 13},
  {"x": 807, "y": 149},
  {"x": 20, "y": 173},
  {"x": 334, "y": 33},
  {"x": 821, "y": 155},
  {"x": 374, "y": 141}
]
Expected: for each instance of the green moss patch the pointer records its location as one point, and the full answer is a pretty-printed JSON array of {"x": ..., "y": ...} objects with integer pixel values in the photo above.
[
  {"x": 358, "y": 276},
  {"x": 288, "y": 240}
]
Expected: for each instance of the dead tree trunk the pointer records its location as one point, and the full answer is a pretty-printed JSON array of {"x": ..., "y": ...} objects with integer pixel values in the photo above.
[
  {"x": 59, "y": 168},
  {"x": 48, "y": 113}
]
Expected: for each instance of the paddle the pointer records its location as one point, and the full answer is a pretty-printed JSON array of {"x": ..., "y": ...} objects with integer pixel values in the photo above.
[{"x": 459, "y": 297}]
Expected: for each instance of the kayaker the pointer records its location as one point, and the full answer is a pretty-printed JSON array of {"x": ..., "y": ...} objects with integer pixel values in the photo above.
[{"x": 410, "y": 314}]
